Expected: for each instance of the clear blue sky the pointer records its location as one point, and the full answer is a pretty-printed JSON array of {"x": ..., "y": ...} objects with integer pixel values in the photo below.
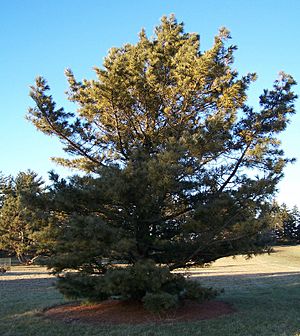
[{"x": 45, "y": 37}]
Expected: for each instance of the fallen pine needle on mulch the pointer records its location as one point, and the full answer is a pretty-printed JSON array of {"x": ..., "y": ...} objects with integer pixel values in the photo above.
[{"x": 129, "y": 312}]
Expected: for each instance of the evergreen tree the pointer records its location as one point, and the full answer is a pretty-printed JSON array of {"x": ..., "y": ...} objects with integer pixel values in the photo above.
[
  {"x": 19, "y": 223},
  {"x": 180, "y": 171},
  {"x": 288, "y": 229}
]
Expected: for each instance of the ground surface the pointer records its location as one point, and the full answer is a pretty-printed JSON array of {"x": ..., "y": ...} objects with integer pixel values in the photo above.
[
  {"x": 118, "y": 312},
  {"x": 264, "y": 291}
]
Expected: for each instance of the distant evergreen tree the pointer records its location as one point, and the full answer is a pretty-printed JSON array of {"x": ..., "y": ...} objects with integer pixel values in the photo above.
[
  {"x": 180, "y": 170},
  {"x": 19, "y": 223},
  {"x": 288, "y": 228}
]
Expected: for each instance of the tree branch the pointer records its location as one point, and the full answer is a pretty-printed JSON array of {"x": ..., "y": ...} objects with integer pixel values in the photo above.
[
  {"x": 70, "y": 142},
  {"x": 239, "y": 162}
]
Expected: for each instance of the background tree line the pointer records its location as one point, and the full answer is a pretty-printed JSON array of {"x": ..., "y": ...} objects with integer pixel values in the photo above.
[{"x": 25, "y": 219}]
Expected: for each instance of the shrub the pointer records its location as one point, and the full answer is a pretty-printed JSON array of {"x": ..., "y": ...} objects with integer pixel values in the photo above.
[
  {"x": 135, "y": 281},
  {"x": 160, "y": 302},
  {"x": 155, "y": 286},
  {"x": 82, "y": 286},
  {"x": 194, "y": 291}
]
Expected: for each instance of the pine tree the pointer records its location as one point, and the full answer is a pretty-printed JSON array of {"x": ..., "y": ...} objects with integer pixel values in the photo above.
[
  {"x": 19, "y": 223},
  {"x": 179, "y": 170},
  {"x": 288, "y": 230}
]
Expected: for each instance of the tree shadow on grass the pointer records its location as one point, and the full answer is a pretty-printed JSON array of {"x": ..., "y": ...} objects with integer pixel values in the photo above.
[
  {"x": 20, "y": 274},
  {"x": 22, "y": 289},
  {"x": 250, "y": 282}
]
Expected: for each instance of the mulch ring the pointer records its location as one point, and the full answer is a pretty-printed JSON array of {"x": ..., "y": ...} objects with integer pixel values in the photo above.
[{"x": 128, "y": 312}]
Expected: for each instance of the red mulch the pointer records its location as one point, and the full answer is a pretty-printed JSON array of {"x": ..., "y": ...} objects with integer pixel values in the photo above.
[{"x": 120, "y": 312}]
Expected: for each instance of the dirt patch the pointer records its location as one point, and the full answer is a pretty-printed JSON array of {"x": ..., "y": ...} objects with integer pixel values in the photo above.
[{"x": 120, "y": 312}]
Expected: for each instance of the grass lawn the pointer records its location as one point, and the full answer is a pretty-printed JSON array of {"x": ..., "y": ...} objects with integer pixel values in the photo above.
[{"x": 265, "y": 290}]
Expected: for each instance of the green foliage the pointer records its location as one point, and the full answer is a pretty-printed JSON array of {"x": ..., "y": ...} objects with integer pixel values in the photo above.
[
  {"x": 133, "y": 282},
  {"x": 194, "y": 291},
  {"x": 155, "y": 286},
  {"x": 179, "y": 169},
  {"x": 74, "y": 286},
  {"x": 160, "y": 302},
  {"x": 19, "y": 223},
  {"x": 287, "y": 228}
]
